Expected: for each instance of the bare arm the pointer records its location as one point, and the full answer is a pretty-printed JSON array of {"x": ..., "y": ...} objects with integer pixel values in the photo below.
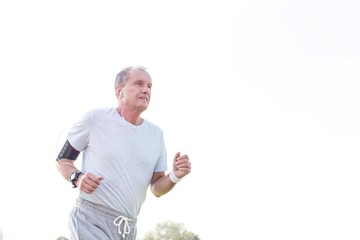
[
  {"x": 87, "y": 182},
  {"x": 66, "y": 167},
  {"x": 161, "y": 183}
]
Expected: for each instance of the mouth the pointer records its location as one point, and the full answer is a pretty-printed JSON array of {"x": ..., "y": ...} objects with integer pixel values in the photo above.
[{"x": 145, "y": 99}]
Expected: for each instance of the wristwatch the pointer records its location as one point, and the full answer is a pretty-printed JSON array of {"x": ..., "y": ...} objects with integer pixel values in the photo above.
[{"x": 74, "y": 177}]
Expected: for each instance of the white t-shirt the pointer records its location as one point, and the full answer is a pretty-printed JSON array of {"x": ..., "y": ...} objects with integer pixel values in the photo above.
[{"x": 124, "y": 154}]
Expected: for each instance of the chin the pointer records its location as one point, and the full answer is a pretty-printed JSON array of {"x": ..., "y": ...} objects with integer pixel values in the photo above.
[{"x": 143, "y": 107}]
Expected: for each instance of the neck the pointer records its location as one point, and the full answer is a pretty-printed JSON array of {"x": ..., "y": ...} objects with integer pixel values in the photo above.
[{"x": 132, "y": 118}]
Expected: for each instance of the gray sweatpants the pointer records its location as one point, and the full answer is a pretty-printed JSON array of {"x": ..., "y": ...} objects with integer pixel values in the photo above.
[{"x": 90, "y": 221}]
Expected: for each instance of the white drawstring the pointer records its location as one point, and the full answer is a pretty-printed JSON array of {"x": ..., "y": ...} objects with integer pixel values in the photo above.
[{"x": 126, "y": 228}]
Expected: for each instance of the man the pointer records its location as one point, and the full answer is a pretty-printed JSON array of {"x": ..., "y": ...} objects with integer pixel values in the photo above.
[{"x": 122, "y": 155}]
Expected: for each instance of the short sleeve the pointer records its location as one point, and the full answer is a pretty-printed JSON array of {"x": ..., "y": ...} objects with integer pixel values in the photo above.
[{"x": 79, "y": 133}]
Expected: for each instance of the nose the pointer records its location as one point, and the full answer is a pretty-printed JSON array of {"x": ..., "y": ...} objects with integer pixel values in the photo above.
[{"x": 146, "y": 89}]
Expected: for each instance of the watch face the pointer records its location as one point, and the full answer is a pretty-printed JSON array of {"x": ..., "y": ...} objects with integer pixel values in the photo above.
[{"x": 73, "y": 176}]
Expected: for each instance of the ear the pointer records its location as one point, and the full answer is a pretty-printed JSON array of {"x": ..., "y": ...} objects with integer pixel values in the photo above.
[{"x": 117, "y": 91}]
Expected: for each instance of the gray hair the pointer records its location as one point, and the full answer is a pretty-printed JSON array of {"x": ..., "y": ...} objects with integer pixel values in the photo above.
[{"x": 122, "y": 76}]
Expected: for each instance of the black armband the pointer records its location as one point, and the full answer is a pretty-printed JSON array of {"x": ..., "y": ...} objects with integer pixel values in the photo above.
[{"x": 68, "y": 152}]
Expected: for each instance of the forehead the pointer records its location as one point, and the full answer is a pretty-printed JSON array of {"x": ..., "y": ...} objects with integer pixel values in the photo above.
[{"x": 138, "y": 75}]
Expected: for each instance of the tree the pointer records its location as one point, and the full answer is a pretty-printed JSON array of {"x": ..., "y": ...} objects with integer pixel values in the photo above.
[
  {"x": 170, "y": 231},
  {"x": 62, "y": 238}
]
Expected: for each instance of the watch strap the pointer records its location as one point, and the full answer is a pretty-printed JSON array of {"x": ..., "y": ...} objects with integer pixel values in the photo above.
[{"x": 74, "y": 178}]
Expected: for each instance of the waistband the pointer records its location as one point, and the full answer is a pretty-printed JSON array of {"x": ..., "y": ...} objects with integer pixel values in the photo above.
[{"x": 103, "y": 209}]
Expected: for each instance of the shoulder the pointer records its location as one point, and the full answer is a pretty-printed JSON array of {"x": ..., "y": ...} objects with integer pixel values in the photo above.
[{"x": 97, "y": 113}]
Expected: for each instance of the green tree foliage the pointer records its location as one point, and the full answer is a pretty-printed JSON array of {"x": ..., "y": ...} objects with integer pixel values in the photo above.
[
  {"x": 170, "y": 231},
  {"x": 62, "y": 238}
]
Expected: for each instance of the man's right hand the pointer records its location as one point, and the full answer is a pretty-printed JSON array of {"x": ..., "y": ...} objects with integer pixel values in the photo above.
[{"x": 88, "y": 182}]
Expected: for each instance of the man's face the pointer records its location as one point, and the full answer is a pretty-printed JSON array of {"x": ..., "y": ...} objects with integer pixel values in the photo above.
[{"x": 137, "y": 90}]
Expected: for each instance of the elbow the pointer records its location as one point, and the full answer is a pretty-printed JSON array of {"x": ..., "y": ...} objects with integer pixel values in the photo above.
[
  {"x": 57, "y": 165},
  {"x": 156, "y": 193}
]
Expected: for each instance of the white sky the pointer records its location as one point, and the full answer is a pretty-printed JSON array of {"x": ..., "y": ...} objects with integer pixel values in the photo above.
[{"x": 263, "y": 96}]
